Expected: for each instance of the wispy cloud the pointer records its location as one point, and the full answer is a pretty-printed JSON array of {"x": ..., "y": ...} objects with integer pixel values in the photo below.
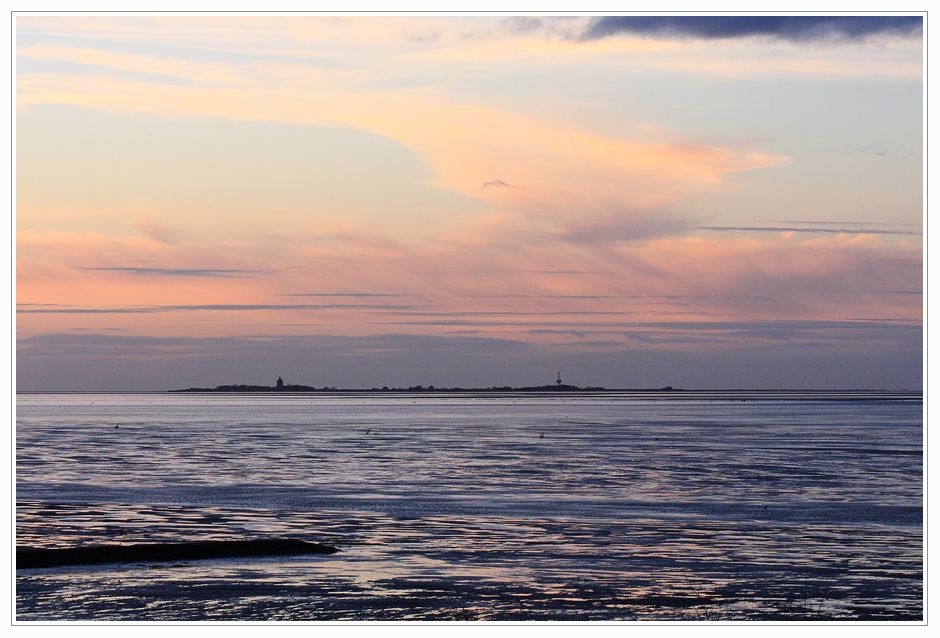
[
  {"x": 622, "y": 227},
  {"x": 792, "y": 28},
  {"x": 841, "y": 222},
  {"x": 141, "y": 64},
  {"x": 580, "y": 334},
  {"x": 422, "y": 36},
  {"x": 767, "y": 328},
  {"x": 522, "y": 24},
  {"x": 177, "y": 272},
  {"x": 879, "y": 151},
  {"x": 497, "y": 183},
  {"x": 341, "y": 294},
  {"x": 510, "y": 271},
  {"x": 810, "y": 229},
  {"x": 665, "y": 297},
  {"x": 514, "y": 313},
  {"x": 532, "y": 296},
  {"x": 157, "y": 231},
  {"x": 207, "y": 308}
]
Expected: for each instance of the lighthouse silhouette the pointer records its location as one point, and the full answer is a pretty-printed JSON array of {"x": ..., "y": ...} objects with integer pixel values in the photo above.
[{"x": 558, "y": 379}]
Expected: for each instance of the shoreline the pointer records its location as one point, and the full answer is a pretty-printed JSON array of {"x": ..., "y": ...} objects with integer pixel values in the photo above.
[{"x": 629, "y": 393}]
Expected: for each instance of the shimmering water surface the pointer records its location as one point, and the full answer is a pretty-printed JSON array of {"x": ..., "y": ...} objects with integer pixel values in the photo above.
[{"x": 600, "y": 506}]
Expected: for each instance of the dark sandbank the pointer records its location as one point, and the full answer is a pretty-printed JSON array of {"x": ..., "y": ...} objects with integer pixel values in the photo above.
[{"x": 30, "y": 558}]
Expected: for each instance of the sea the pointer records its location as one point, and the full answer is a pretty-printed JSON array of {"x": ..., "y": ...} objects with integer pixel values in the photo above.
[{"x": 581, "y": 506}]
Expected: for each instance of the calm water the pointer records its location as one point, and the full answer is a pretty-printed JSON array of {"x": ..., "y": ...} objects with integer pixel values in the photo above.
[{"x": 462, "y": 507}]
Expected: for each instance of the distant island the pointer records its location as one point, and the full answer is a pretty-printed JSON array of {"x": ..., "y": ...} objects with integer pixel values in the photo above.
[
  {"x": 416, "y": 388},
  {"x": 280, "y": 386}
]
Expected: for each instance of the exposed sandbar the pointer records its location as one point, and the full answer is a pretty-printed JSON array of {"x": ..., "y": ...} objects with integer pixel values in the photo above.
[{"x": 27, "y": 558}]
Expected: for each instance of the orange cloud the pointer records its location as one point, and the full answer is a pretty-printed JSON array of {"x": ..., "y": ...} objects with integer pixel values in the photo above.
[{"x": 465, "y": 143}]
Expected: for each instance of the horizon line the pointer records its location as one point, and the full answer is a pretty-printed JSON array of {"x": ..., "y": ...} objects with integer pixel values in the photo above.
[{"x": 426, "y": 390}]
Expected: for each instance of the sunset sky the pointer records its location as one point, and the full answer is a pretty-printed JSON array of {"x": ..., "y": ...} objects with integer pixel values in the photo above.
[{"x": 705, "y": 202}]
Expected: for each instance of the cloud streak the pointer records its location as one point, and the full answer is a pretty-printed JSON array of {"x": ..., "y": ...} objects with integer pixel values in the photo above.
[
  {"x": 341, "y": 294},
  {"x": 497, "y": 183},
  {"x": 790, "y": 28},
  {"x": 809, "y": 229},
  {"x": 177, "y": 272},
  {"x": 206, "y": 308}
]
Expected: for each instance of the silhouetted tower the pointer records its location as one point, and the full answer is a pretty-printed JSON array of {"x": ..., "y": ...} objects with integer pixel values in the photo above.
[
  {"x": 280, "y": 382},
  {"x": 558, "y": 379}
]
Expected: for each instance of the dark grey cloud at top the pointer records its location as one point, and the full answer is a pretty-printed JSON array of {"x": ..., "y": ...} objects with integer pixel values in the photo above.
[{"x": 790, "y": 27}]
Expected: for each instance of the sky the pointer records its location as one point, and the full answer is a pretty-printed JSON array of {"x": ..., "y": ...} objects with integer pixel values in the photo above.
[{"x": 700, "y": 202}]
